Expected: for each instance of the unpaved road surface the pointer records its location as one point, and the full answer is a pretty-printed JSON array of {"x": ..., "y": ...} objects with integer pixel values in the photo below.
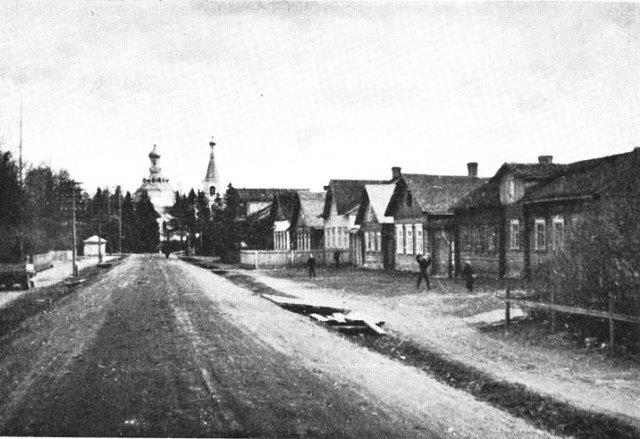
[{"x": 162, "y": 348}]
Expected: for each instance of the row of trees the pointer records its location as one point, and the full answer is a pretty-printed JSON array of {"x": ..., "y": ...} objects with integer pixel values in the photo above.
[
  {"x": 39, "y": 209},
  {"x": 206, "y": 230}
]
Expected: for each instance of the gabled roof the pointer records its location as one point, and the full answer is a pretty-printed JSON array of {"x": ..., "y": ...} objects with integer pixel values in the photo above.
[
  {"x": 346, "y": 194},
  {"x": 94, "y": 240},
  {"x": 286, "y": 205},
  {"x": 488, "y": 194},
  {"x": 378, "y": 197},
  {"x": 437, "y": 193},
  {"x": 311, "y": 207},
  {"x": 615, "y": 175},
  {"x": 262, "y": 194}
]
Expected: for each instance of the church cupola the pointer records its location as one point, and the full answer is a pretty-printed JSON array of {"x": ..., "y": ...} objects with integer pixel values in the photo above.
[{"x": 211, "y": 179}]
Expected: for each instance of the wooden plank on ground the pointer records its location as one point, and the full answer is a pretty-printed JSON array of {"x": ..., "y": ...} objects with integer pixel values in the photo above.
[
  {"x": 318, "y": 317},
  {"x": 575, "y": 310},
  {"x": 375, "y": 328}
]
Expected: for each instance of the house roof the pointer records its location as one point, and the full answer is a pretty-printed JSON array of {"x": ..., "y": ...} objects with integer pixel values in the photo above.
[
  {"x": 262, "y": 194},
  {"x": 488, "y": 194},
  {"x": 311, "y": 207},
  {"x": 379, "y": 196},
  {"x": 612, "y": 175},
  {"x": 94, "y": 240},
  {"x": 439, "y": 193},
  {"x": 287, "y": 204},
  {"x": 346, "y": 193}
]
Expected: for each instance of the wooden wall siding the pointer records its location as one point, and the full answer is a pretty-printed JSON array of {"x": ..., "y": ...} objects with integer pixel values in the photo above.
[
  {"x": 441, "y": 252},
  {"x": 373, "y": 260},
  {"x": 483, "y": 261},
  {"x": 404, "y": 261}
]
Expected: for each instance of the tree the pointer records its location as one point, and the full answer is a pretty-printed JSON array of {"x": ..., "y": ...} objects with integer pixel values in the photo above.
[
  {"x": 146, "y": 225},
  {"x": 11, "y": 199},
  {"x": 129, "y": 243}
]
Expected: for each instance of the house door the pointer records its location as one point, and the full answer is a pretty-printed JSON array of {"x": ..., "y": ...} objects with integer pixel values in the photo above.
[
  {"x": 442, "y": 256},
  {"x": 388, "y": 247}
]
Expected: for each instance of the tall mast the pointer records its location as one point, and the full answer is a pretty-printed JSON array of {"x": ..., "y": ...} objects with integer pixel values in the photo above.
[{"x": 20, "y": 145}]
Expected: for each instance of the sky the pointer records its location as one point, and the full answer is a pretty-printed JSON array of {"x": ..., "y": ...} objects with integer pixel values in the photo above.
[{"x": 295, "y": 94}]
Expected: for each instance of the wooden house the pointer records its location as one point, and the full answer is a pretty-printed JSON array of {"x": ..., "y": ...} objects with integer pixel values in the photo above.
[
  {"x": 297, "y": 222},
  {"x": 490, "y": 219},
  {"x": 340, "y": 209},
  {"x": 375, "y": 236},
  {"x": 423, "y": 220},
  {"x": 553, "y": 208}
]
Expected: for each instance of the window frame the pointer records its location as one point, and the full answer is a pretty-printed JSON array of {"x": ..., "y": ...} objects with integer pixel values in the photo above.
[
  {"x": 558, "y": 242},
  {"x": 399, "y": 239},
  {"x": 514, "y": 238},
  {"x": 540, "y": 235}
]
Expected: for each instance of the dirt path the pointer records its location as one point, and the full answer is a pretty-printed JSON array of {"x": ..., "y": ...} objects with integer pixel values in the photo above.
[
  {"x": 581, "y": 380},
  {"x": 161, "y": 348}
]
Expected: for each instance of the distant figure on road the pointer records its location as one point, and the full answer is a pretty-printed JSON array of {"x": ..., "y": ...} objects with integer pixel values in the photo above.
[
  {"x": 423, "y": 265},
  {"x": 166, "y": 251},
  {"x": 336, "y": 258},
  {"x": 311, "y": 264},
  {"x": 467, "y": 273}
]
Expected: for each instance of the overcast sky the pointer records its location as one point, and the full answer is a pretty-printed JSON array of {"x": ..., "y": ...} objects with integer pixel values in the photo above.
[{"x": 296, "y": 94}]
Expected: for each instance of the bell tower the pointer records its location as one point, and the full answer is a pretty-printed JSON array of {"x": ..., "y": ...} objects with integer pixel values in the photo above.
[{"x": 210, "y": 184}]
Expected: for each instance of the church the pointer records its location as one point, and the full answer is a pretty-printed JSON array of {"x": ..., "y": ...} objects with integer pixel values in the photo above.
[{"x": 160, "y": 192}]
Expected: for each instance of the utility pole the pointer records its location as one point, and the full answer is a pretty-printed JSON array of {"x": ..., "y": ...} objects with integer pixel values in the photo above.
[
  {"x": 119, "y": 219},
  {"x": 75, "y": 245}
]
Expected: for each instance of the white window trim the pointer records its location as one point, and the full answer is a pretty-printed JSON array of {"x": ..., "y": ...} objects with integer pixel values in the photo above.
[
  {"x": 558, "y": 242},
  {"x": 378, "y": 241},
  {"x": 536, "y": 234},
  {"x": 399, "y": 239},
  {"x": 419, "y": 237},
  {"x": 514, "y": 238}
]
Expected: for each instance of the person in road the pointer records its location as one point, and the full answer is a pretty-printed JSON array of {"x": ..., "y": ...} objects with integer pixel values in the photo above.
[
  {"x": 311, "y": 264},
  {"x": 467, "y": 273},
  {"x": 423, "y": 269}
]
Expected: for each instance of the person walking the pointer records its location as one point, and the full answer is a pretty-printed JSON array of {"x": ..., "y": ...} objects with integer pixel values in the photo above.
[
  {"x": 423, "y": 266},
  {"x": 467, "y": 273},
  {"x": 311, "y": 264}
]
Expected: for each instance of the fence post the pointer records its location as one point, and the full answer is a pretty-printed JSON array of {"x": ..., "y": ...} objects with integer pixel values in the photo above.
[
  {"x": 507, "y": 307},
  {"x": 255, "y": 259},
  {"x": 612, "y": 325}
]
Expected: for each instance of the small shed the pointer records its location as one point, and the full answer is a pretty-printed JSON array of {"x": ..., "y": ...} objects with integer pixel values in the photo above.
[{"x": 94, "y": 245}]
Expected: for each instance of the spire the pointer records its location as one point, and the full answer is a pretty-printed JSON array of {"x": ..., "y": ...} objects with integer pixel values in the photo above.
[
  {"x": 155, "y": 172},
  {"x": 211, "y": 178}
]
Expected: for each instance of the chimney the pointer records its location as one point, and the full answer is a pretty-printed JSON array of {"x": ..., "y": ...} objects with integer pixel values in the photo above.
[
  {"x": 396, "y": 172},
  {"x": 545, "y": 159},
  {"x": 472, "y": 167}
]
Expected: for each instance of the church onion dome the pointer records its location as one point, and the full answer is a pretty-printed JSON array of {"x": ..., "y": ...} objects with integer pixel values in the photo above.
[{"x": 154, "y": 154}]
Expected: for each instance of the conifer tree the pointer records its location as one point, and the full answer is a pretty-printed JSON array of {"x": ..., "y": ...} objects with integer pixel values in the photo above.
[{"x": 146, "y": 225}]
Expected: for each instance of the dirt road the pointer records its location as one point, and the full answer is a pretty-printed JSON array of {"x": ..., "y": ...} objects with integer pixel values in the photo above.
[{"x": 162, "y": 348}]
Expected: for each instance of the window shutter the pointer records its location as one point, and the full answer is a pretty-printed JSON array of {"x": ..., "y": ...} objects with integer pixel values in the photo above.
[
  {"x": 408, "y": 240},
  {"x": 419, "y": 239},
  {"x": 378, "y": 241},
  {"x": 399, "y": 239}
]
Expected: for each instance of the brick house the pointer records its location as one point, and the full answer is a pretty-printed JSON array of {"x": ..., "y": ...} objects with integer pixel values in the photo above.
[
  {"x": 423, "y": 220},
  {"x": 340, "y": 209},
  {"x": 376, "y": 231},
  {"x": 490, "y": 219}
]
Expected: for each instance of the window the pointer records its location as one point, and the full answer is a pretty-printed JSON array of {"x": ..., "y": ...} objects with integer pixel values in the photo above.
[
  {"x": 465, "y": 236},
  {"x": 491, "y": 237},
  {"x": 408, "y": 239},
  {"x": 378, "y": 241},
  {"x": 511, "y": 189},
  {"x": 419, "y": 239},
  {"x": 367, "y": 241},
  {"x": 514, "y": 235},
  {"x": 345, "y": 237},
  {"x": 540, "y": 237},
  {"x": 399, "y": 239},
  {"x": 558, "y": 233}
]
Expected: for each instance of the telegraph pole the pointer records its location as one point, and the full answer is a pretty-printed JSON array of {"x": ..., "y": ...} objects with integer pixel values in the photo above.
[
  {"x": 75, "y": 245},
  {"x": 120, "y": 219}
]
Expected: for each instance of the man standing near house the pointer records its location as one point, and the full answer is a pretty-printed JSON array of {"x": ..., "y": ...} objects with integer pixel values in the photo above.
[
  {"x": 311, "y": 264},
  {"x": 423, "y": 265},
  {"x": 467, "y": 273}
]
